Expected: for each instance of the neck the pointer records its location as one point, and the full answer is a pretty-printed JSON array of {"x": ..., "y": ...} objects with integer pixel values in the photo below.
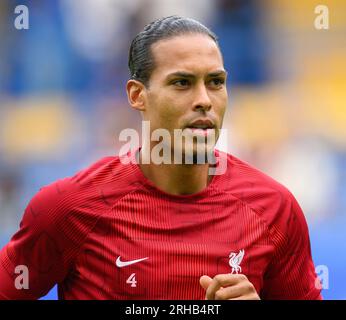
[{"x": 177, "y": 179}]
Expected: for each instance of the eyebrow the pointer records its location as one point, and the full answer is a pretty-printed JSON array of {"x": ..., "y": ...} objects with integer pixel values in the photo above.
[{"x": 184, "y": 74}]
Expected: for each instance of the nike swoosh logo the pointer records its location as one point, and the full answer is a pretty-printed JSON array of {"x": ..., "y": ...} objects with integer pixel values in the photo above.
[{"x": 121, "y": 264}]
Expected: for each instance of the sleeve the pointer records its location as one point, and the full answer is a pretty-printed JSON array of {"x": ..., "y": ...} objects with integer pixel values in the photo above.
[
  {"x": 291, "y": 274},
  {"x": 39, "y": 254}
]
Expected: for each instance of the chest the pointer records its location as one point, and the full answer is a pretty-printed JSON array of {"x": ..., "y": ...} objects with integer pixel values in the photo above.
[{"x": 161, "y": 253}]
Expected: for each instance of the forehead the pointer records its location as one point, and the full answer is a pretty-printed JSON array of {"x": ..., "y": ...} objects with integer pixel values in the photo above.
[{"x": 197, "y": 53}]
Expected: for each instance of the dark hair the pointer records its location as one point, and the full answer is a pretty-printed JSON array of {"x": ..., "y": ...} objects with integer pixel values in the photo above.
[{"x": 141, "y": 61}]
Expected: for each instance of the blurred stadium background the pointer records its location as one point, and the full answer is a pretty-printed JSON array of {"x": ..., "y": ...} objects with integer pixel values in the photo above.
[{"x": 63, "y": 101}]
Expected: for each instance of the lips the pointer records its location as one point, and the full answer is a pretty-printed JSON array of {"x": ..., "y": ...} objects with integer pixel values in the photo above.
[
  {"x": 204, "y": 127},
  {"x": 203, "y": 124}
]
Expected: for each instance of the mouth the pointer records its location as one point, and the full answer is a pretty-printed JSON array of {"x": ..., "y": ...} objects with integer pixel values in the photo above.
[
  {"x": 203, "y": 124},
  {"x": 201, "y": 127}
]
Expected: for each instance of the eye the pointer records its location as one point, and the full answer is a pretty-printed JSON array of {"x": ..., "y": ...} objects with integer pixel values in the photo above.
[
  {"x": 181, "y": 83},
  {"x": 217, "y": 82}
]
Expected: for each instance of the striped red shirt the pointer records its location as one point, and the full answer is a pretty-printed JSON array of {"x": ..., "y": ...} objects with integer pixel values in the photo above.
[{"x": 109, "y": 233}]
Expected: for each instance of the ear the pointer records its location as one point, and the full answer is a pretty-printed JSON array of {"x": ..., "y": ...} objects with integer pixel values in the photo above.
[{"x": 136, "y": 92}]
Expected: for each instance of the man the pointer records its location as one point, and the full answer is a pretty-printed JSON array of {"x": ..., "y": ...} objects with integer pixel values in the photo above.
[{"x": 142, "y": 230}]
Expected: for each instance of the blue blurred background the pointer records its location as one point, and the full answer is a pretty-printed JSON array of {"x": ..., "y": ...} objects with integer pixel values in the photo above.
[{"x": 63, "y": 101}]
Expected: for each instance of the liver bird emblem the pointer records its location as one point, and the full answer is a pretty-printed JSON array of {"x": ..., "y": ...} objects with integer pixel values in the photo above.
[{"x": 235, "y": 260}]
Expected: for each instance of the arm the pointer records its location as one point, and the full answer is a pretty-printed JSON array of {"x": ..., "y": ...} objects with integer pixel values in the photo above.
[
  {"x": 39, "y": 245},
  {"x": 291, "y": 274}
]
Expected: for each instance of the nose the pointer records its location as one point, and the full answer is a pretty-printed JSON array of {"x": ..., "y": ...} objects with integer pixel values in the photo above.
[{"x": 202, "y": 99}]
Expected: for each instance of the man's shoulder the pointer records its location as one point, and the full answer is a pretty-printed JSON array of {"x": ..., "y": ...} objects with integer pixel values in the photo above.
[
  {"x": 247, "y": 174},
  {"x": 271, "y": 201},
  {"x": 68, "y": 209},
  {"x": 254, "y": 187},
  {"x": 104, "y": 179},
  {"x": 106, "y": 171},
  {"x": 79, "y": 181}
]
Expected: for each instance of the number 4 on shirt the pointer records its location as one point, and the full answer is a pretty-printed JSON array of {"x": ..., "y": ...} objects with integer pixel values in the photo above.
[{"x": 132, "y": 280}]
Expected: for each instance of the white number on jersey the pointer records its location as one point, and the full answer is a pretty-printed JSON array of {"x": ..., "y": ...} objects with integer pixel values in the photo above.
[{"x": 132, "y": 280}]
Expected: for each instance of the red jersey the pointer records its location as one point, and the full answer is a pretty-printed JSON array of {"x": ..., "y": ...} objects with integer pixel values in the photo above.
[{"x": 109, "y": 233}]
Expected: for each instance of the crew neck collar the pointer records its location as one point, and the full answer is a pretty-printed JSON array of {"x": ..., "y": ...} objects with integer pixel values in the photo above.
[{"x": 148, "y": 184}]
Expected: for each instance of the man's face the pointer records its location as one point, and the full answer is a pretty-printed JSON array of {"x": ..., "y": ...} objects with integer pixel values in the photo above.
[{"x": 187, "y": 88}]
